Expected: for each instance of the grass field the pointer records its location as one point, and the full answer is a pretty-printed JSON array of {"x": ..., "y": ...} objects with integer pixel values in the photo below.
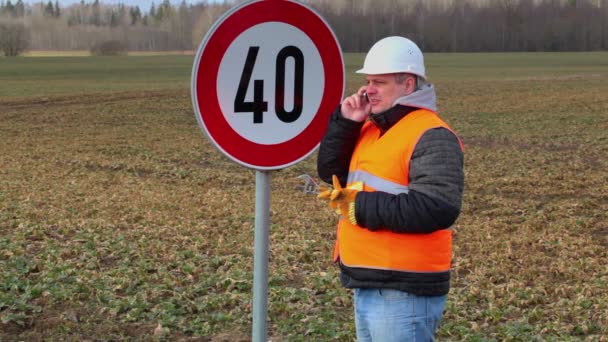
[{"x": 119, "y": 221}]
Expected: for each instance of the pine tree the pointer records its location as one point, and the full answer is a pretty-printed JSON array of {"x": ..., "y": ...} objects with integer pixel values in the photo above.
[
  {"x": 49, "y": 9},
  {"x": 135, "y": 13},
  {"x": 152, "y": 11},
  {"x": 96, "y": 14},
  {"x": 9, "y": 8},
  {"x": 19, "y": 9}
]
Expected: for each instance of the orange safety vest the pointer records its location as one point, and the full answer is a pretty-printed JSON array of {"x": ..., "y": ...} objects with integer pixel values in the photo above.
[{"x": 382, "y": 164}]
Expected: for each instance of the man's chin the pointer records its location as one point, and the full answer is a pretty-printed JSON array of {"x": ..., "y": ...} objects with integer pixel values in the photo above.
[{"x": 377, "y": 110}]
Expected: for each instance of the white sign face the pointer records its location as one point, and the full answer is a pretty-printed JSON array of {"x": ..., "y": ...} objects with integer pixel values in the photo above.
[
  {"x": 270, "y": 129},
  {"x": 265, "y": 80}
]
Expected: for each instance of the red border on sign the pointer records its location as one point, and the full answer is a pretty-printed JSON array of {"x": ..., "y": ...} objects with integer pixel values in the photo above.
[{"x": 220, "y": 131}]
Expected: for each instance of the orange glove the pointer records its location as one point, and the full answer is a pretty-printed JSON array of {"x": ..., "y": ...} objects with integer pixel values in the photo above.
[{"x": 342, "y": 200}]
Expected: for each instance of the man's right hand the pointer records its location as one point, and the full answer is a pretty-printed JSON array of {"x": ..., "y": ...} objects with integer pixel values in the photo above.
[{"x": 356, "y": 107}]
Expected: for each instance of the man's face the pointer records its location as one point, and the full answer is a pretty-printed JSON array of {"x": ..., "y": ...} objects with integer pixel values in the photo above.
[{"x": 383, "y": 90}]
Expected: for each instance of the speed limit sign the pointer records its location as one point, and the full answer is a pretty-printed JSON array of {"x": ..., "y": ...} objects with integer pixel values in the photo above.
[{"x": 265, "y": 79}]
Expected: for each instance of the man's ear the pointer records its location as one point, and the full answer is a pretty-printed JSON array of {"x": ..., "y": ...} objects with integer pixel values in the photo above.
[{"x": 410, "y": 84}]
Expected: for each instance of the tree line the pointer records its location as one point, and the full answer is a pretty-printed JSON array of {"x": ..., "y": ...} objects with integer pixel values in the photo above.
[
  {"x": 472, "y": 26},
  {"x": 437, "y": 26}
]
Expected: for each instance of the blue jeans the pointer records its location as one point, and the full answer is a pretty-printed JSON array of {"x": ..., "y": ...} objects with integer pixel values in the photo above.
[{"x": 385, "y": 315}]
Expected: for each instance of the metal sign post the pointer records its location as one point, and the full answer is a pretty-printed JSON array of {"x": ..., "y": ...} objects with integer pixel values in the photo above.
[{"x": 260, "y": 255}]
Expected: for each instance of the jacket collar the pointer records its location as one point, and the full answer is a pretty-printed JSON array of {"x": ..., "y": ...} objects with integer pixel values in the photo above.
[
  {"x": 423, "y": 97},
  {"x": 391, "y": 116}
]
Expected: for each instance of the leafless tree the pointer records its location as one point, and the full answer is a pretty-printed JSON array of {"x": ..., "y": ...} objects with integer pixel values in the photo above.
[{"x": 14, "y": 38}]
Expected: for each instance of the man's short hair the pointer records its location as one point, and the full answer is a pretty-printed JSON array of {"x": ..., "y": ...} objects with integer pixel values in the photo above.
[{"x": 400, "y": 77}]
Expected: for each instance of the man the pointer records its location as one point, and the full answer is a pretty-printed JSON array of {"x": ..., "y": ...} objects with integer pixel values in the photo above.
[{"x": 397, "y": 172}]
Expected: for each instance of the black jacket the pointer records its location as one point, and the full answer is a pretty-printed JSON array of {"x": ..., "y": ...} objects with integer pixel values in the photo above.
[{"x": 433, "y": 201}]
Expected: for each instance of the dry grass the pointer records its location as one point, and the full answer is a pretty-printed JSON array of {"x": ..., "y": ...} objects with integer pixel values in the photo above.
[
  {"x": 117, "y": 215},
  {"x": 56, "y": 53},
  {"x": 84, "y": 53}
]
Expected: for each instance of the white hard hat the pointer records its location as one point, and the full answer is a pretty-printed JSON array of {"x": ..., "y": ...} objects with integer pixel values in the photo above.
[{"x": 393, "y": 55}]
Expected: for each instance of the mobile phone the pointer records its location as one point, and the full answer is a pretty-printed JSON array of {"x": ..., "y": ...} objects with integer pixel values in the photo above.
[{"x": 365, "y": 97}]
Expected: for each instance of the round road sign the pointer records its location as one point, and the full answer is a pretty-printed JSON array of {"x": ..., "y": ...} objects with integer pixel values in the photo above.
[{"x": 265, "y": 79}]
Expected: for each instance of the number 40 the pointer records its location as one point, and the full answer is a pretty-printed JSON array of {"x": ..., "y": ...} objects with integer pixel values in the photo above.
[{"x": 258, "y": 106}]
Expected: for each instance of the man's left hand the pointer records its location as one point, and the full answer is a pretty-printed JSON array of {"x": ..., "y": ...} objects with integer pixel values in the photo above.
[{"x": 342, "y": 200}]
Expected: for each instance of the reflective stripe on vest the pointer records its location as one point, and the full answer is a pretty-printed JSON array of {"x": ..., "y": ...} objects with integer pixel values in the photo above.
[
  {"x": 377, "y": 183},
  {"x": 382, "y": 163}
]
